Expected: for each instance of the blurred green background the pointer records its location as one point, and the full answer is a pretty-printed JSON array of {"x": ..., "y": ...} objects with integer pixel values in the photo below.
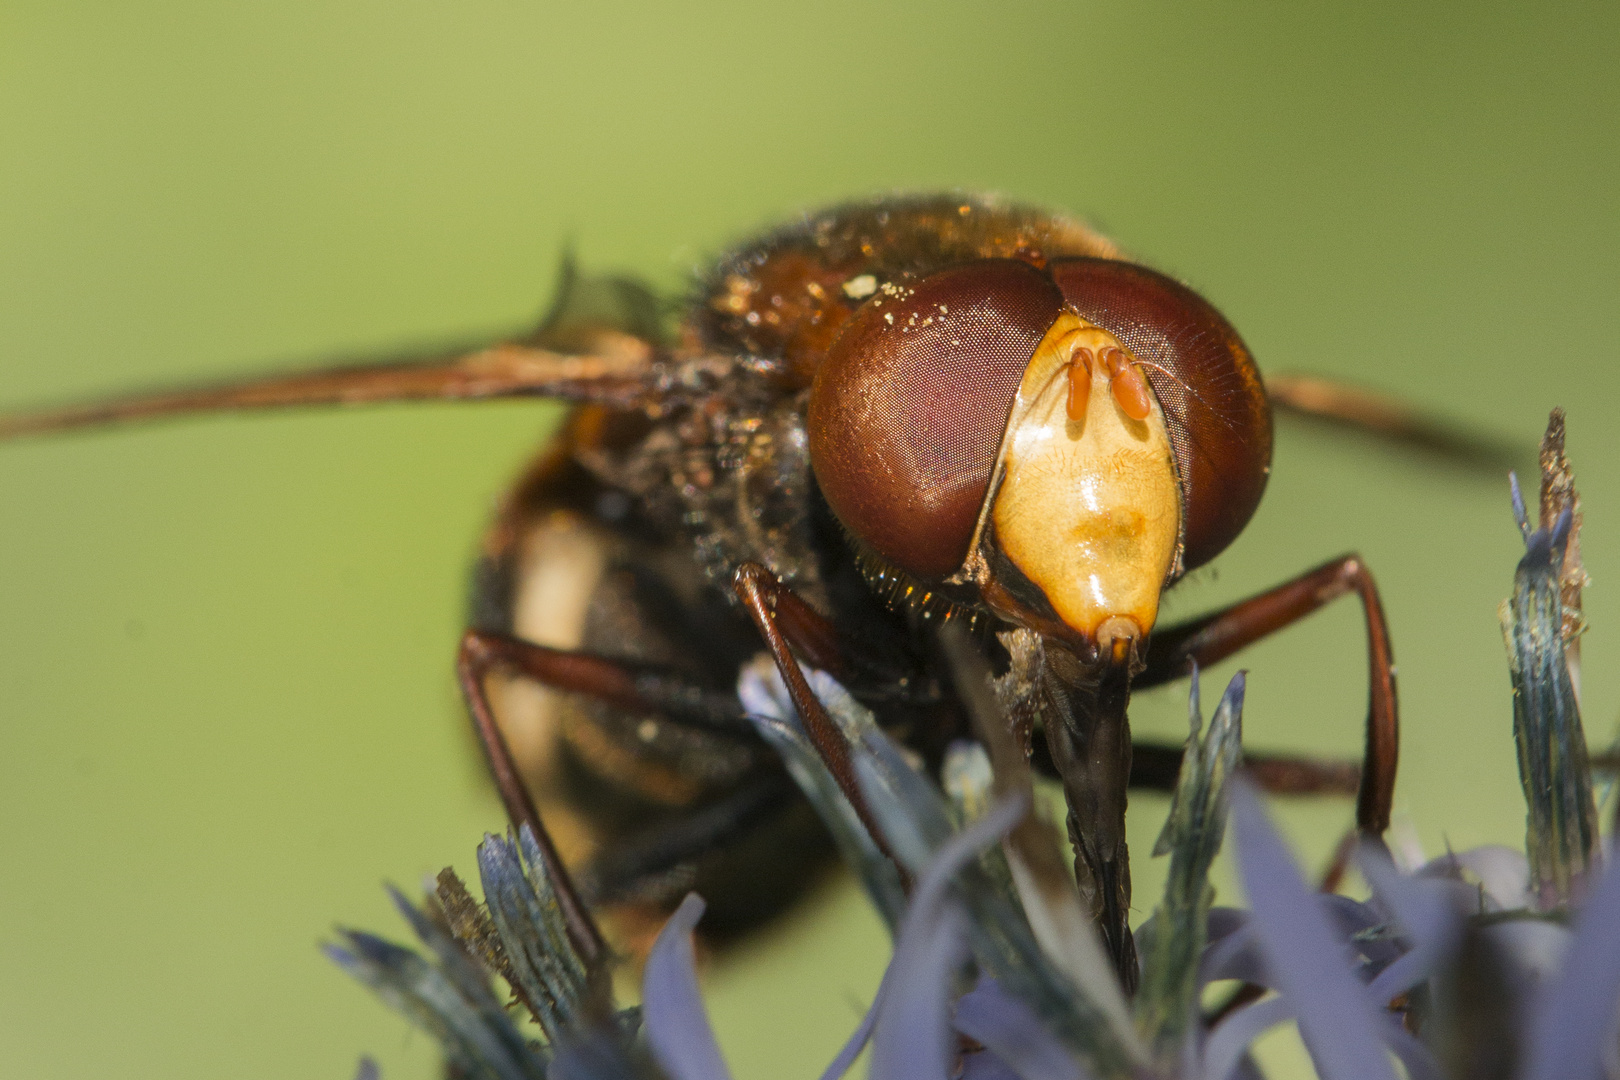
[{"x": 226, "y": 707}]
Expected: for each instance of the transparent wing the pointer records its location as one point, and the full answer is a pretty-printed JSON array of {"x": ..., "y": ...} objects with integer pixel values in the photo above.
[
  {"x": 597, "y": 343},
  {"x": 617, "y": 376}
]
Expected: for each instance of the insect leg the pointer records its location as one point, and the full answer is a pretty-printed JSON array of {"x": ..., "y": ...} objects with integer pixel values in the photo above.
[
  {"x": 635, "y": 688},
  {"x": 702, "y": 844},
  {"x": 766, "y": 600},
  {"x": 1154, "y": 767},
  {"x": 473, "y": 663},
  {"x": 1215, "y": 636}
]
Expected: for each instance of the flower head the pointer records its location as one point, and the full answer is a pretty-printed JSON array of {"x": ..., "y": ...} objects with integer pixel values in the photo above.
[{"x": 1481, "y": 963}]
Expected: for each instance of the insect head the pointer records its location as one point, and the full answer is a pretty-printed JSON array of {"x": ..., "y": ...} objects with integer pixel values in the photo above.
[{"x": 1057, "y": 442}]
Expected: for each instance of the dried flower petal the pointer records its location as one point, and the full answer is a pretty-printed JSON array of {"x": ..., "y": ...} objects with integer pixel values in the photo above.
[
  {"x": 1561, "y": 834},
  {"x": 524, "y": 909},
  {"x": 420, "y": 992}
]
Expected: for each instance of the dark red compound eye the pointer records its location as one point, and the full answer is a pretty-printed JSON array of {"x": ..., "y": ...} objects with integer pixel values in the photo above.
[
  {"x": 908, "y": 409},
  {"x": 1214, "y": 403}
]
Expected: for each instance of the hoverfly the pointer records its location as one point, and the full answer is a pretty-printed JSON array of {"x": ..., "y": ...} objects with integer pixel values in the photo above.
[{"x": 877, "y": 420}]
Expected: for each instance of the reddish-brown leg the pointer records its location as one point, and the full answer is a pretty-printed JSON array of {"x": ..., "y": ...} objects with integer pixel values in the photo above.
[
  {"x": 633, "y": 688},
  {"x": 1155, "y": 766},
  {"x": 816, "y": 640},
  {"x": 766, "y": 600},
  {"x": 1214, "y": 637},
  {"x": 1339, "y": 863},
  {"x": 480, "y": 654}
]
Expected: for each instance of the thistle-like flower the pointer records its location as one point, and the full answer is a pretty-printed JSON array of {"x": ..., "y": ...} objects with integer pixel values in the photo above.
[
  {"x": 972, "y": 981},
  {"x": 1481, "y": 963}
]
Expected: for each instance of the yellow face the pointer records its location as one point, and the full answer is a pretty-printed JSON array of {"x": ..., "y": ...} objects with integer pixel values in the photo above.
[{"x": 1089, "y": 507}]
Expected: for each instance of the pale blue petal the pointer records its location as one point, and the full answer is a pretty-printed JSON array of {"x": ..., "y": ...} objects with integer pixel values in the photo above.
[
  {"x": 1410, "y": 970},
  {"x": 1502, "y": 872},
  {"x": 1225, "y": 920},
  {"x": 1311, "y": 966},
  {"x": 913, "y": 1039},
  {"x": 1231, "y": 952},
  {"x": 1229, "y": 1043},
  {"x": 676, "y": 1023},
  {"x": 857, "y": 1041},
  {"x": 986, "y": 1066},
  {"x": 1430, "y": 914},
  {"x": 1014, "y": 1034},
  {"x": 1531, "y": 952},
  {"x": 1235, "y": 956},
  {"x": 1419, "y": 1060},
  {"x": 1576, "y": 1014},
  {"x": 1359, "y": 924}
]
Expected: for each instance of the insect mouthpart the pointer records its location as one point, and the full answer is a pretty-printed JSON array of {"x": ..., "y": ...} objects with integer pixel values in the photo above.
[{"x": 1087, "y": 503}]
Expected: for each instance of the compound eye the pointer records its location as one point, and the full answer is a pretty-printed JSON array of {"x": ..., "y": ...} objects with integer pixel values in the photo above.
[
  {"x": 908, "y": 409},
  {"x": 1214, "y": 404}
]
